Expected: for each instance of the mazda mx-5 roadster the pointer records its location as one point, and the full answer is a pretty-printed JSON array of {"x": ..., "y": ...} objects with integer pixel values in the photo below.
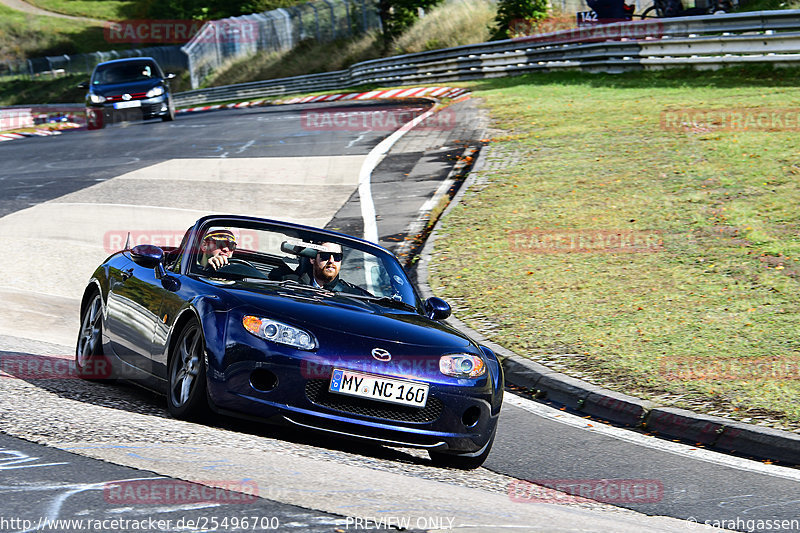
[{"x": 295, "y": 325}]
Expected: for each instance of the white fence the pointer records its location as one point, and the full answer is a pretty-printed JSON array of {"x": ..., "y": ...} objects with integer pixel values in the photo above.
[{"x": 221, "y": 41}]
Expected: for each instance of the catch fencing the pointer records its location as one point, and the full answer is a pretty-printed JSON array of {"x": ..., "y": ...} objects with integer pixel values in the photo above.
[
  {"x": 701, "y": 42},
  {"x": 220, "y": 42}
]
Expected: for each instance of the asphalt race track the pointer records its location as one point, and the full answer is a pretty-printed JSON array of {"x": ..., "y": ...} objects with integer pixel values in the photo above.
[{"x": 68, "y": 200}]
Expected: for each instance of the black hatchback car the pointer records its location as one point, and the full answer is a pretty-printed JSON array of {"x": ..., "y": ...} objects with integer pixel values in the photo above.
[{"x": 128, "y": 89}]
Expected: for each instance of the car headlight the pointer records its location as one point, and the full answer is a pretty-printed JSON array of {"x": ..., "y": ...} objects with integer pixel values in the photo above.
[
  {"x": 275, "y": 331},
  {"x": 155, "y": 91},
  {"x": 462, "y": 365},
  {"x": 96, "y": 98}
]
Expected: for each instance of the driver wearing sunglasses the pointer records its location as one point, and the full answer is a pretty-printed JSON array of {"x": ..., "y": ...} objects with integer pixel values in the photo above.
[
  {"x": 217, "y": 248},
  {"x": 325, "y": 269}
]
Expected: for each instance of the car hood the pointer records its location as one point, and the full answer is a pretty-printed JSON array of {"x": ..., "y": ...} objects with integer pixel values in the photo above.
[
  {"x": 127, "y": 87},
  {"x": 342, "y": 315}
]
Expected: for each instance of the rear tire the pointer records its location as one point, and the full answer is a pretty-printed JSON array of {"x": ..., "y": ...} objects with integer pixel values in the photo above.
[
  {"x": 461, "y": 461},
  {"x": 90, "y": 362},
  {"x": 187, "y": 396}
]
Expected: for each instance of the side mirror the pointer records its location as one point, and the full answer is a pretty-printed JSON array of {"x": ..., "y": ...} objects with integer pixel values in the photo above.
[
  {"x": 147, "y": 255},
  {"x": 83, "y": 85},
  {"x": 436, "y": 308},
  {"x": 170, "y": 76}
]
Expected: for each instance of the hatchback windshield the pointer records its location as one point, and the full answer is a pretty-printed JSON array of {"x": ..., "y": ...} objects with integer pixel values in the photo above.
[{"x": 124, "y": 72}]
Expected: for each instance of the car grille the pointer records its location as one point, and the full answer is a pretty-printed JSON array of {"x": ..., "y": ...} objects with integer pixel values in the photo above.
[
  {"x": 118, "y": 97},
  {"x": 317, "y": 392}
]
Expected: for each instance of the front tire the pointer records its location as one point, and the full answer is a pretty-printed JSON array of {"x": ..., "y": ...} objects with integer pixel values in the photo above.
[
  {"x": 94, "y": 119},
  {"x": 170, "y": 116},
  {"x": 461, "y": 461},
  {"x": 187, "y": 397}
]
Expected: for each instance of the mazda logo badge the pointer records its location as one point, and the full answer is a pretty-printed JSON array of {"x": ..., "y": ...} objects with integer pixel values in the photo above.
[{"x": 381, "y": 355}]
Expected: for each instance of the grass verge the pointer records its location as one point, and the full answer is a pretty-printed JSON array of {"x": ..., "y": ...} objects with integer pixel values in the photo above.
[
  {"x": 23, "y": 35},
  {"x": 95, "y": 9},
  {"x": 700, "y": 310},
  {"x": 447, "y": 25}
]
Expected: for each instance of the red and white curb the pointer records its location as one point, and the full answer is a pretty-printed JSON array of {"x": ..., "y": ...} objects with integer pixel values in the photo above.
[
  {"x": 37, "y": 133},
  {"x": 414, "y": 92}
]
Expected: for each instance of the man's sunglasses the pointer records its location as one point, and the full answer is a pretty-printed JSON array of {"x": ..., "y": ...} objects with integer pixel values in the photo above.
[
  {"x": 224, "y": 243},
  {"x": 324, "y": 256}
]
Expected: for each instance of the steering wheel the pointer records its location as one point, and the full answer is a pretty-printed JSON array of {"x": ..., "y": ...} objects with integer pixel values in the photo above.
[
  {"x": 241, "y": 262},
  {"x": 240, "y": 267}
]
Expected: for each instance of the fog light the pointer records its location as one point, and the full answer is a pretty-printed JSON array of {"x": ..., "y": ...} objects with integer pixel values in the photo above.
[
  {"x": 263, "y": 380},
  {"x": 471, "y": 416}
]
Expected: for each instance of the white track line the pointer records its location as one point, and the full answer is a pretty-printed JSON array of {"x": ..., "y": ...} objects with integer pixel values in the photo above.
[{"x": 365, "y": 175}]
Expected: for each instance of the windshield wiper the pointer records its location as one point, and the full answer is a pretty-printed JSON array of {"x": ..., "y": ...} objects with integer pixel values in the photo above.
[
  {"x": 383, "y": 300},
  {"x": 297, "y": 285}
]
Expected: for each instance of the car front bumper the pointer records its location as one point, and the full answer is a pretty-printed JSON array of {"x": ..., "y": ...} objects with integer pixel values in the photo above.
[
  {"x": 148, "y": 109},
  {"x": 276, "y": 388}
]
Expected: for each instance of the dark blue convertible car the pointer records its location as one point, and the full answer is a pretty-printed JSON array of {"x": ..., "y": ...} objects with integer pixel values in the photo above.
[{"x": 295, "y": 325}]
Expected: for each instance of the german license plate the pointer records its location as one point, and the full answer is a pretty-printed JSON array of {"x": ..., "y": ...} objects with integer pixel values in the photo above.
[
  {"x": 126, "y": 105},
  {"x": 379, "y": 388}
]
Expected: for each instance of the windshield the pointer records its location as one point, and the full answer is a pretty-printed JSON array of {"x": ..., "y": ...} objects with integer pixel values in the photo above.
[
  {"x": 299, "y": 258},
  {"x": 125, "y": 72}
]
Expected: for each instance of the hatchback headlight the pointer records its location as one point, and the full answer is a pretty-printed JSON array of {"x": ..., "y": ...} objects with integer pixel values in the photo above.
[
  {"x": 96, "y": 98},
  {"x": 275, "y": 331},
  {"x": 155, "y": 91},
  {"x": 462, "y": 365}
]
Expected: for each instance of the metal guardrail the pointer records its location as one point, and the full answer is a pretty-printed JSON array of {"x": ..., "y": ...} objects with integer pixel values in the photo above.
[{"x": 705, "y": 42}]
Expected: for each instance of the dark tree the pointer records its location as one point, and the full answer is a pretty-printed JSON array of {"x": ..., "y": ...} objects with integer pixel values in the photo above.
[
  {"x": 398, "y": 15},
  {"x": 520, "y": 13}
]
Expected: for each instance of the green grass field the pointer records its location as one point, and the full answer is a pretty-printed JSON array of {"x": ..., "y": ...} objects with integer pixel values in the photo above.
[{"x": 704, "y": 313}]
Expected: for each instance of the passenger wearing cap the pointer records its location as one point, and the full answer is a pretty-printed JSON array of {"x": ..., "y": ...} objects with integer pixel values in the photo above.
[{"x": 217, "y": 248}]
